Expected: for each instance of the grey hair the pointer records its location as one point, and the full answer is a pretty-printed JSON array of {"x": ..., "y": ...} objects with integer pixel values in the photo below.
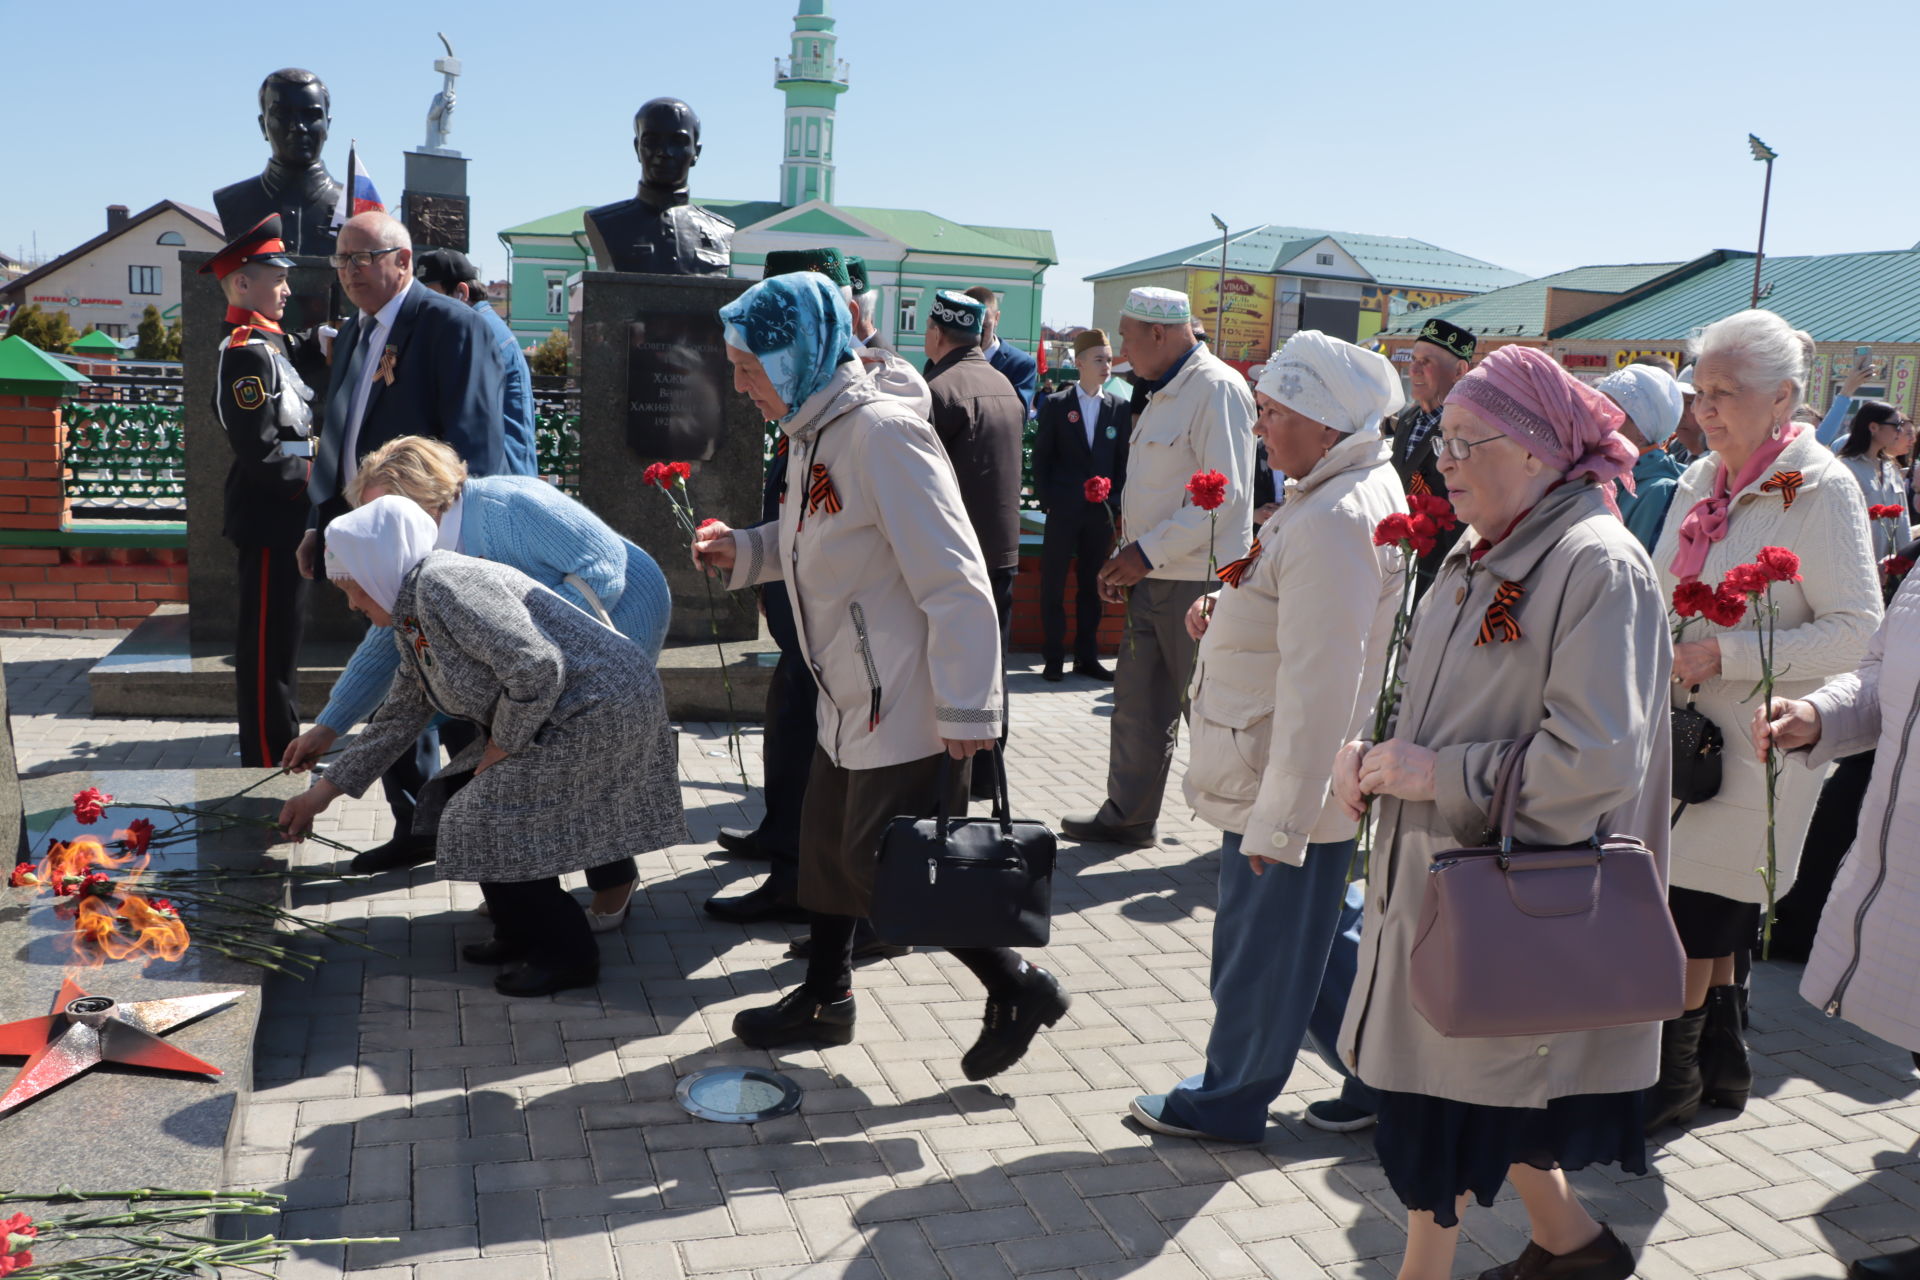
[
  {"x": 869, "y": 302},
  {"x": 1770, "y": 350}
]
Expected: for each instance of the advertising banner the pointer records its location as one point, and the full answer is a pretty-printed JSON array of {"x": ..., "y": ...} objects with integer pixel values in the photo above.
[{"x": 1246, "y": 330}]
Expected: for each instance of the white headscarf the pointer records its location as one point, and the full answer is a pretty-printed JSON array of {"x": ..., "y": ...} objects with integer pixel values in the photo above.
[
  {"x": 1649, "y": 396},
  {"x": 379, "y": 544},
  {"x": 1335, "y": 383}
]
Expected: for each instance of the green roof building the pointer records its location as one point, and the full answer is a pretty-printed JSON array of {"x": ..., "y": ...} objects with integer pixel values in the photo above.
[{"x": 910, "y": 253}]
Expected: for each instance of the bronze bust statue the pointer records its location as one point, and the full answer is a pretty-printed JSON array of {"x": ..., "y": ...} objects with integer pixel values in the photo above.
[
  {"x": 294, "y": 114},
  {"x": 658, "y": 232}
]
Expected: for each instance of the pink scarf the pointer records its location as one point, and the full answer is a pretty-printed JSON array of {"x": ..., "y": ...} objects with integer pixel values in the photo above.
[
  {"x": 1706, "y": 524},
  {"x": 1525, "y": 395}
]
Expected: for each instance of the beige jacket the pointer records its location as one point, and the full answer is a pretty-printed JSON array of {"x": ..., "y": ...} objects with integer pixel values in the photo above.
[
  {"x": 890, "y": 595},
  {"x": 1200, "y": 421},
  {"x": 1589, "y": 673},
  {"x": 1867, "y": 952},
  {"x": 1824, "y": 625},
  {"x": 1300, "y": 643}
]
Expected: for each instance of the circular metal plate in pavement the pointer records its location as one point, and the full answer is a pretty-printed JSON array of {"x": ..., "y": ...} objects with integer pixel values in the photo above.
[{"x": 738, "y": 1095}]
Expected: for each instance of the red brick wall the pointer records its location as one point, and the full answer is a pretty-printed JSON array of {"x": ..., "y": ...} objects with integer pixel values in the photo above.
[
  {"x": 80, "y": 588},
  {"x": 33, "y": 443},
  {"x": 1027, "y": 635}
]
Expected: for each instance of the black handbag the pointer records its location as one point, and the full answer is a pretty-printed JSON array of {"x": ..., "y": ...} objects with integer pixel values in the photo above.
[
  {"x": 965, "y": 882},
  {"x": 1697, "y": 744}
]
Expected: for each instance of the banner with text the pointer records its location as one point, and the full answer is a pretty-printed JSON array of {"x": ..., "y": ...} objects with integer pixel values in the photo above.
[{"x": 1246, "y": 330}]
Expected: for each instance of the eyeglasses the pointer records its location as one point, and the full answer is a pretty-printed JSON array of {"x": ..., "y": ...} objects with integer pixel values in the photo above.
[
  {"x": 1457, "y": 449},
  {"x": 361, "y": 258}
]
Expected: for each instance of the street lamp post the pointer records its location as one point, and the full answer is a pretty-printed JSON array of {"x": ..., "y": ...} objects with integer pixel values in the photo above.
[
  {"x": 1761, "y": 151},
  {"x": 1220, "y": 309}
]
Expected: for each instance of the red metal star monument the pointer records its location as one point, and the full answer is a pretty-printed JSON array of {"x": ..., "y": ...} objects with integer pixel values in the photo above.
[{"x": 85, "y": 1030}]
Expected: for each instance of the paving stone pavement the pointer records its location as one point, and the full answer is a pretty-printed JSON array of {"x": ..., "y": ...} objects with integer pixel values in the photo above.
[{"x": 531, "y": 1139}]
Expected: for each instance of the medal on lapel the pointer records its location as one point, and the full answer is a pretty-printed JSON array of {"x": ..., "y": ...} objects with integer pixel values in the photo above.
[
  {"x": 1073, "y": 415},
  {"x": 1112, "y": 433}
]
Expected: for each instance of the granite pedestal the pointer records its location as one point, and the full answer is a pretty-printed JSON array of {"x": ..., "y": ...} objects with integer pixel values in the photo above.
[
  {"x": 655, "y": 386},
  {"x": 120, "y": 1127}
]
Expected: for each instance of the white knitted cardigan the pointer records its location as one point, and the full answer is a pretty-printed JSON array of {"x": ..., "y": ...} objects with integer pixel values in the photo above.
[{"x": 1824, "y": 624}]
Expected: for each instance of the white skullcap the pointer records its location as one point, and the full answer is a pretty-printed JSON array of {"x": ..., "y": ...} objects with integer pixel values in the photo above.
[
  {"x": 1686, "y": 382},
  {"x": 1650, "y": 396},
  {"x": 1158, "y": 306},
  {"x": 1335, "y": 383}
]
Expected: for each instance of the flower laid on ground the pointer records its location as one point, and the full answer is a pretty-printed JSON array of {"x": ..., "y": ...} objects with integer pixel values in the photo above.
[
  {"x": 1754, "y": 585},
  {"x": 137, "y": 836},
  {"x": 1404, "y": 531},
  {"x": 23, "y": 876},
  {"x": 17, "y": 1237},
  {"x": 671, "y": 479},
  {"x": 88, "y": 805}
]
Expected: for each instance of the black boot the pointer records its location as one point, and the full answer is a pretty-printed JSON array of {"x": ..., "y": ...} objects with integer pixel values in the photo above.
[
  {"x": 1904, "y": 1265},
  {"x": 1676, "y": 1097},
  {"x": 1010, "y": 1024},
  {"x": 799, "y": 1017},
  {"x": 1726, "y": 1078}
]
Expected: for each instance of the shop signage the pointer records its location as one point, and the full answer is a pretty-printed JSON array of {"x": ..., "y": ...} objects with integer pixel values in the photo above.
[
  {"x": 72, "y": 300},
  {"x": 1583, "y": 360},
  {"x": 1621, "y": 359},
  {"x": 1245, "y": 332}
]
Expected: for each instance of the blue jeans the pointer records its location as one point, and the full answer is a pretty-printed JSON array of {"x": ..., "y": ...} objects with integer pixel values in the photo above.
[{"x": 1285, "y": 948}]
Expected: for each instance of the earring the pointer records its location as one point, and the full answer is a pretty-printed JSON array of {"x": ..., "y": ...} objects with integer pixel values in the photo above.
[{"x": 1778, "y": 429}]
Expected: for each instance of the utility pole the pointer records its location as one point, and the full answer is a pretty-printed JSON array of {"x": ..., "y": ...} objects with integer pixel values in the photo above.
[
  {"x": 1761, "y": 151},
  {"x": 1220, "y": 312}
]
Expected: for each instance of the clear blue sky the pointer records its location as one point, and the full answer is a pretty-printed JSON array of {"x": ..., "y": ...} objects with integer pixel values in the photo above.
[{"x": 1538, "y": 136}]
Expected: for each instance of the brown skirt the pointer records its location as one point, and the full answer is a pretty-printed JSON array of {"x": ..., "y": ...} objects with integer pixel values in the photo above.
[{"x": 845, "y": 814}]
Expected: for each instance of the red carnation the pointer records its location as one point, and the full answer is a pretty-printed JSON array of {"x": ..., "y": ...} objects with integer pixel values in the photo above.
[
  {"x": 1728, "y": 607},
  {"x": 652, "y": 474},
  {"x": 1748, "y": 579},
  {"x": 702, "y": 526},
  {"x": 96, "y": 884},
  {"x": 678, "y": 472},
  {"x": 1393, "y": 530},
  {"x": 88, "y": 805},
  {"x": 1426, "y": 535},
  {"x": 1097, "y": 489},
  {"x": 1208, "y": 489},
  {"x": 165, "y": 907},
  {"x": 1887, "y": 512},
  {"x": 137, "y": 836},
  {"x": 1896, "y": 566},
  {"x": 1780, "y": 564},
  {"x": 24, "y": 876},
  {"x": 1691, "y": 599},
  {"x": 1436, "y": 508}
]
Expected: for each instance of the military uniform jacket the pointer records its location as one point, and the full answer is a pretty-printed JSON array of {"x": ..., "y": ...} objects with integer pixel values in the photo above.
[
  {"x": 682, "y": 239},
  {"x": 262, "y": 402}
]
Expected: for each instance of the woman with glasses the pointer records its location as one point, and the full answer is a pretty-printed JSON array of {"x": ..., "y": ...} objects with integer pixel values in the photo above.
[
  {"x": 1544, "y": 619},
  {"x": 1767, "y": 483},
  {"x": 1878, "y": 435}
]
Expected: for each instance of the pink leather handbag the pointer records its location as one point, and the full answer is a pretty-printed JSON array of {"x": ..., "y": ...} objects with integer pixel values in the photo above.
[{"x": 1519, "y": 940}]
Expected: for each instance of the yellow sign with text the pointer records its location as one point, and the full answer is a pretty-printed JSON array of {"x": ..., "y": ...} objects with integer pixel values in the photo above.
[{"x": 1246, "y": 330}]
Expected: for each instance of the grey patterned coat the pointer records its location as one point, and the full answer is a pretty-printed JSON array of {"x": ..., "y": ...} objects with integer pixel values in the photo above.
[{"x": 590, "y": 773}]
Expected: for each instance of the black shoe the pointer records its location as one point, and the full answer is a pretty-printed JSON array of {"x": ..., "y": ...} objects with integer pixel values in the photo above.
[
  {"x": 1011, "y": 1025},
  {"x": 1607, "y": 1258},
  {"x": 758, "y": 907},
  {"x": 741, "y": 843},
  {"x": 799, "y": 1017},
  {"x": 867, "y": 945},
  {"x": 537, "y": 980},
  {"x": 1053, "y": 673},
  {"x": 1090, "y": 830},
  {"x": 1726, "y": 1077},
  {"x": 494, "y": 951},
  {"x": 1675, "y": 1098},
  {"x": 1904, "y": 1265},
  {"x": 395, "y": 855},
  {"x": 1092, "y": 670}
]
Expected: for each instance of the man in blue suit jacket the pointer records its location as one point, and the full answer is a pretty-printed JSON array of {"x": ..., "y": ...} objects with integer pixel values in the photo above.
[
  {"x": 411, "y": 362},
  {"x": 1021, "y": 369}
]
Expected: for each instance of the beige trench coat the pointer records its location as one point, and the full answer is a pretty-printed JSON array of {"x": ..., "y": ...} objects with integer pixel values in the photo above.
[
  {"x": 1824, "y": 625},
  {"x": 1589, "y": 673}
]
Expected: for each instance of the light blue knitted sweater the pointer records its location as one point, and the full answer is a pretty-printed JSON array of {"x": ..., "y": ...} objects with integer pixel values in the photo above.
[{"x": 527, "y": 523}]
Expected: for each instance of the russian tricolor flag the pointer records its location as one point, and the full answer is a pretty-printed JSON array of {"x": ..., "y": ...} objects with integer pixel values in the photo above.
[{"x": 358, "y": 194}]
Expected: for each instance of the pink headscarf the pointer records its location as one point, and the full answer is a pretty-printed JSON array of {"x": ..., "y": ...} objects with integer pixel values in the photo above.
[
  {"x": 1524, "y": 394},
  {"x": 1706, "y": 522}
]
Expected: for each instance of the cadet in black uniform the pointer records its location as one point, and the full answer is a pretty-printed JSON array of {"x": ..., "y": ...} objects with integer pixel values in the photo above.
[{"x": 266, "y": 408}]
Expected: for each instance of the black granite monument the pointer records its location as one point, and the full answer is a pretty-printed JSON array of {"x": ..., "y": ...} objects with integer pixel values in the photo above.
[
  {"x": 295, "y": 113},
  {"x": 658, "y": 232}
]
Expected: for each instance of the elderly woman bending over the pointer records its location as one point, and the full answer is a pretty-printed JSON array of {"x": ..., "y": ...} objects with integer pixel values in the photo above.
[
  {"x": 1546, "y": 619},
  {"x": 1767, "y": 483},
  {"x": 896, "y": 622},
  {"x": 528, "y": 524},
  {"x": 573, "y": 758}
]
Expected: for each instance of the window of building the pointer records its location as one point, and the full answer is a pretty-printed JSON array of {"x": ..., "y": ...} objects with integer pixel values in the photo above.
[
  {"x": 1323, "y": 259},
  {"x": 171, "y": 237},
  {"x": 143, "y": 279},
  {"x": 556, "y": 293},
  {"x": 909, "y": 315},
  {"x": 813, "y": 136},
  {"x": 114, "y": 331},
  {"x": 816, "y": 51}
]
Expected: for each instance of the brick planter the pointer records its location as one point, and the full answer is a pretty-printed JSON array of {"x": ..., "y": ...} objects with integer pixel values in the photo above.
[
  {"x": 1027, "y": 636},
  {"x": 88, "y": 588}
]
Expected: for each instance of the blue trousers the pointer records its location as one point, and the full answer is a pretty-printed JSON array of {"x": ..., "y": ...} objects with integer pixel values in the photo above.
[{"x": 1285, "y": 948}]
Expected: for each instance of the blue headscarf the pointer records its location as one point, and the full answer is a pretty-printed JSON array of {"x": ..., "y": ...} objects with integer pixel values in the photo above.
[{"x": 799, "y": 328}]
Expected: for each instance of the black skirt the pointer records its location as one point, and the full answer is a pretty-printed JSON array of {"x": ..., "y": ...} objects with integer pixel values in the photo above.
[
  {"x": 1435, "y": 1149},
  {"x": 1711, "y": 926}
]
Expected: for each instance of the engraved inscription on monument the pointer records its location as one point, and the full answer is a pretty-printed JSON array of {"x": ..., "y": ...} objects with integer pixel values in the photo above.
[{"x": 677, "y": 376}]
